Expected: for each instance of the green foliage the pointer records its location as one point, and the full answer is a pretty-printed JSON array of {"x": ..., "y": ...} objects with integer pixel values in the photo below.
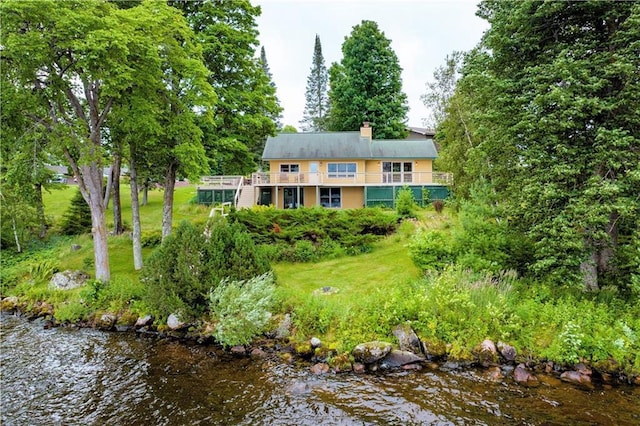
[
  {"x": 464, "y": 308},
  {"x": 180, "y": 273},
  {"x": 406, "y": 204},
  {"x": 71, "y": 312},
  {"x": 241, "y": 309},
  {"x": 431, "y": 250},
  {"x": 77, "y": 218},
  {"x": 310, "y": 234},
  {"x": 247, "y": 107},
  {"x": 367, "y": 86},
  {"x": 561, "y": 131},
  {"x": 316, "y": 109},
  {"x": 480, "y": 240}
]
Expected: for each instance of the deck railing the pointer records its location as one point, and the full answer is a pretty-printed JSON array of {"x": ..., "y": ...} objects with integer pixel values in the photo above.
[{"x": 352, "y": 179}]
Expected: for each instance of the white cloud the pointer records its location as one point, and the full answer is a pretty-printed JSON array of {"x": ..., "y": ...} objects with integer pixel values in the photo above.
[{"x": 422, "y": 33}]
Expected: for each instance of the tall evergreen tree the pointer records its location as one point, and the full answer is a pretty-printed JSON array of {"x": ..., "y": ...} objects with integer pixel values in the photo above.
[
  {"x": 564, "y": 133},
  {"x": 275, "y": 115},
  {"x": 243, "y": 117},
  {"x": 317, "y": 103},
  {"x": 367, "y": 86}
]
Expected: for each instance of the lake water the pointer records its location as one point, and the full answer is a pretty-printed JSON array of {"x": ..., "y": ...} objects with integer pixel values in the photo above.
[{"x": 65, "y": 376}]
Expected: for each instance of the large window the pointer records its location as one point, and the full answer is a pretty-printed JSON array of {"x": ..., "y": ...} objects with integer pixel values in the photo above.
[
  {"x": 330, "y": 197},
  {"x": 397, "y": 171},
  {"x": 341, "y": 170}
]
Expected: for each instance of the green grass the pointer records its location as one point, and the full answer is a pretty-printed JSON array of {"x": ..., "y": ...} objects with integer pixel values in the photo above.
[{"x": 57, "y": 201}]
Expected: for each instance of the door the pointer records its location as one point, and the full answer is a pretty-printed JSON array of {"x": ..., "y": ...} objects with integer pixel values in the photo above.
[
  {"x": 313, "y": 173},
  {"x": 293, "y": 197}
]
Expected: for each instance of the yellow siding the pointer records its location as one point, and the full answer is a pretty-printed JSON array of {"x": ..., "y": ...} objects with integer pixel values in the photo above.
[{"x": 352, "y": 197}]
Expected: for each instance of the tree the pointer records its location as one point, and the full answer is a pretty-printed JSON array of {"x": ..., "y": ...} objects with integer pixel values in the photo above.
[
  {"x": 366, "y": 85},
  {"x": 276, "y": 116},
  {"x": 567, "y": 116},
  {"x": 78, "y": 59},
  {"x": 441, "y": 90},
  {"x": 317, "y": 104},
  {"x": 244, "y": 115},
  {"x": 23, "y": 167}
]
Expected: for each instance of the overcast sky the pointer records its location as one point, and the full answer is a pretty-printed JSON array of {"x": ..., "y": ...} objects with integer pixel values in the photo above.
[{"x": 422, "y": 33}]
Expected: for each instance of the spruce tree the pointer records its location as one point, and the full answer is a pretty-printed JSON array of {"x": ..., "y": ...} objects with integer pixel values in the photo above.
[
  {"x": 275, "y": 114},
  {"x": 366, "y": 85},
  {"x": 317, "y": 98},
  {"x": 77, "y": 218}
]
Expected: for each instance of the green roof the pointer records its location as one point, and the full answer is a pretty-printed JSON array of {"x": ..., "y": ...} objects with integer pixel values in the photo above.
[{"x": 347, "y": 145}]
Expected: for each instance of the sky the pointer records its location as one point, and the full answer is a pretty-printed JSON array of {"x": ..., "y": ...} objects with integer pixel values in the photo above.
[{"x": 422, "y": 34}]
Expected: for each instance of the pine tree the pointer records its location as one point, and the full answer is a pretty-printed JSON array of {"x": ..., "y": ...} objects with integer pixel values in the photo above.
[
  {"x": 317, "y": 98},
  {"x": 366, "y": 85},
  {"x": 275, "y": 115}
]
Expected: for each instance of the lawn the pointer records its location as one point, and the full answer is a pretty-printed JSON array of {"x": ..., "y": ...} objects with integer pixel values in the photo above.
[{"x": 58, "y": 200}]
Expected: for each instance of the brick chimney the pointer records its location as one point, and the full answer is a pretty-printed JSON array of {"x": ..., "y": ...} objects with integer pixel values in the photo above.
[{"x": 366, "y": 131}]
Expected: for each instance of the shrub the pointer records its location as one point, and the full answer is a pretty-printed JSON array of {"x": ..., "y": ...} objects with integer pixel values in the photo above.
[
  {"x": 240, "y": 309},
  {"x": 431, "y": 250},
  {"x": 77, "y": 218},
  {"x": 180, "y": 273},
  {"x": 331, "y": 233},
  {"x": 405, "y": 203}
]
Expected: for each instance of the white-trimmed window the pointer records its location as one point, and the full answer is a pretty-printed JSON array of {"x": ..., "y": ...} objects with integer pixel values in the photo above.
[
  {"x": 397, "y": 171},
  {"x": 289, "y": 168},
  {"x": 331, "y": 197},
  {"x": 341, "y": 170}
]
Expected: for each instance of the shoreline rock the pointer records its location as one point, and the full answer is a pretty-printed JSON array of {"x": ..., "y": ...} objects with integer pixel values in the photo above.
[{"x": 370, "y": 356}]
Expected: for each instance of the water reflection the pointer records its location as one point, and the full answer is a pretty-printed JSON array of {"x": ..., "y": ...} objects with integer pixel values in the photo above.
[{"x": 80, "y": 377}]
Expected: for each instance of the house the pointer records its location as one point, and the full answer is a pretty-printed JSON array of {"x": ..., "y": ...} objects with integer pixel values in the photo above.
[{"x": 335, "y": 170}]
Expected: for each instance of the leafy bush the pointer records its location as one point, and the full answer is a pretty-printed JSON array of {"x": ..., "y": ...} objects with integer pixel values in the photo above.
[
  {"x": 405, "y": 203},
  {"x": 180, "y": 273},
  {"x": 77, "y": 218},
  {"x": 240, "y": 309},
  {"x": 431, "y": 250}
]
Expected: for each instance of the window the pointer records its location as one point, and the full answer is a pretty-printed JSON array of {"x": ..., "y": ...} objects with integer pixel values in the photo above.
[
  {"x": 289, "y": 168},
  {"x": 330, "y": 197},
  {"x": 341, "y": 170},
  {"x": 397, "y": 172}
]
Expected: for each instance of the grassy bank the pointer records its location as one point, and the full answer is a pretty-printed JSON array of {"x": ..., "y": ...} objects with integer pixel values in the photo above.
[{"x": 352, "y": 299}]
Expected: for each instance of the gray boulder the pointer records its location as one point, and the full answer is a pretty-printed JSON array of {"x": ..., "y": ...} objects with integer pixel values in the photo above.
[
  {"x": 397, "y": 358},
  {"x": 508, "y": 352},
  {"x": 370, "y": 352},
  {"x": 407, "y": 339},
  {"x": 67, "y": 280},
  {"x": 174, "y": 323},
  {"x": 144, "y": 321}
]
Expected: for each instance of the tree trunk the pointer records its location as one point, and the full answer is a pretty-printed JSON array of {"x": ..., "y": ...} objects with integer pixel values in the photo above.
[
  {"x": 145, "y": 193},
  {"x": 135, "y": 215},
  {"x": 40, "y": 209},
  {"x": 90, "y": 184},
  {"x": 118, "y": 227},
  {"x": 589, "y": 271},
  {"x": 167, "y": 200},
  {"x": 14, "y": 228},
  {"x": 107, "y": 190}
]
